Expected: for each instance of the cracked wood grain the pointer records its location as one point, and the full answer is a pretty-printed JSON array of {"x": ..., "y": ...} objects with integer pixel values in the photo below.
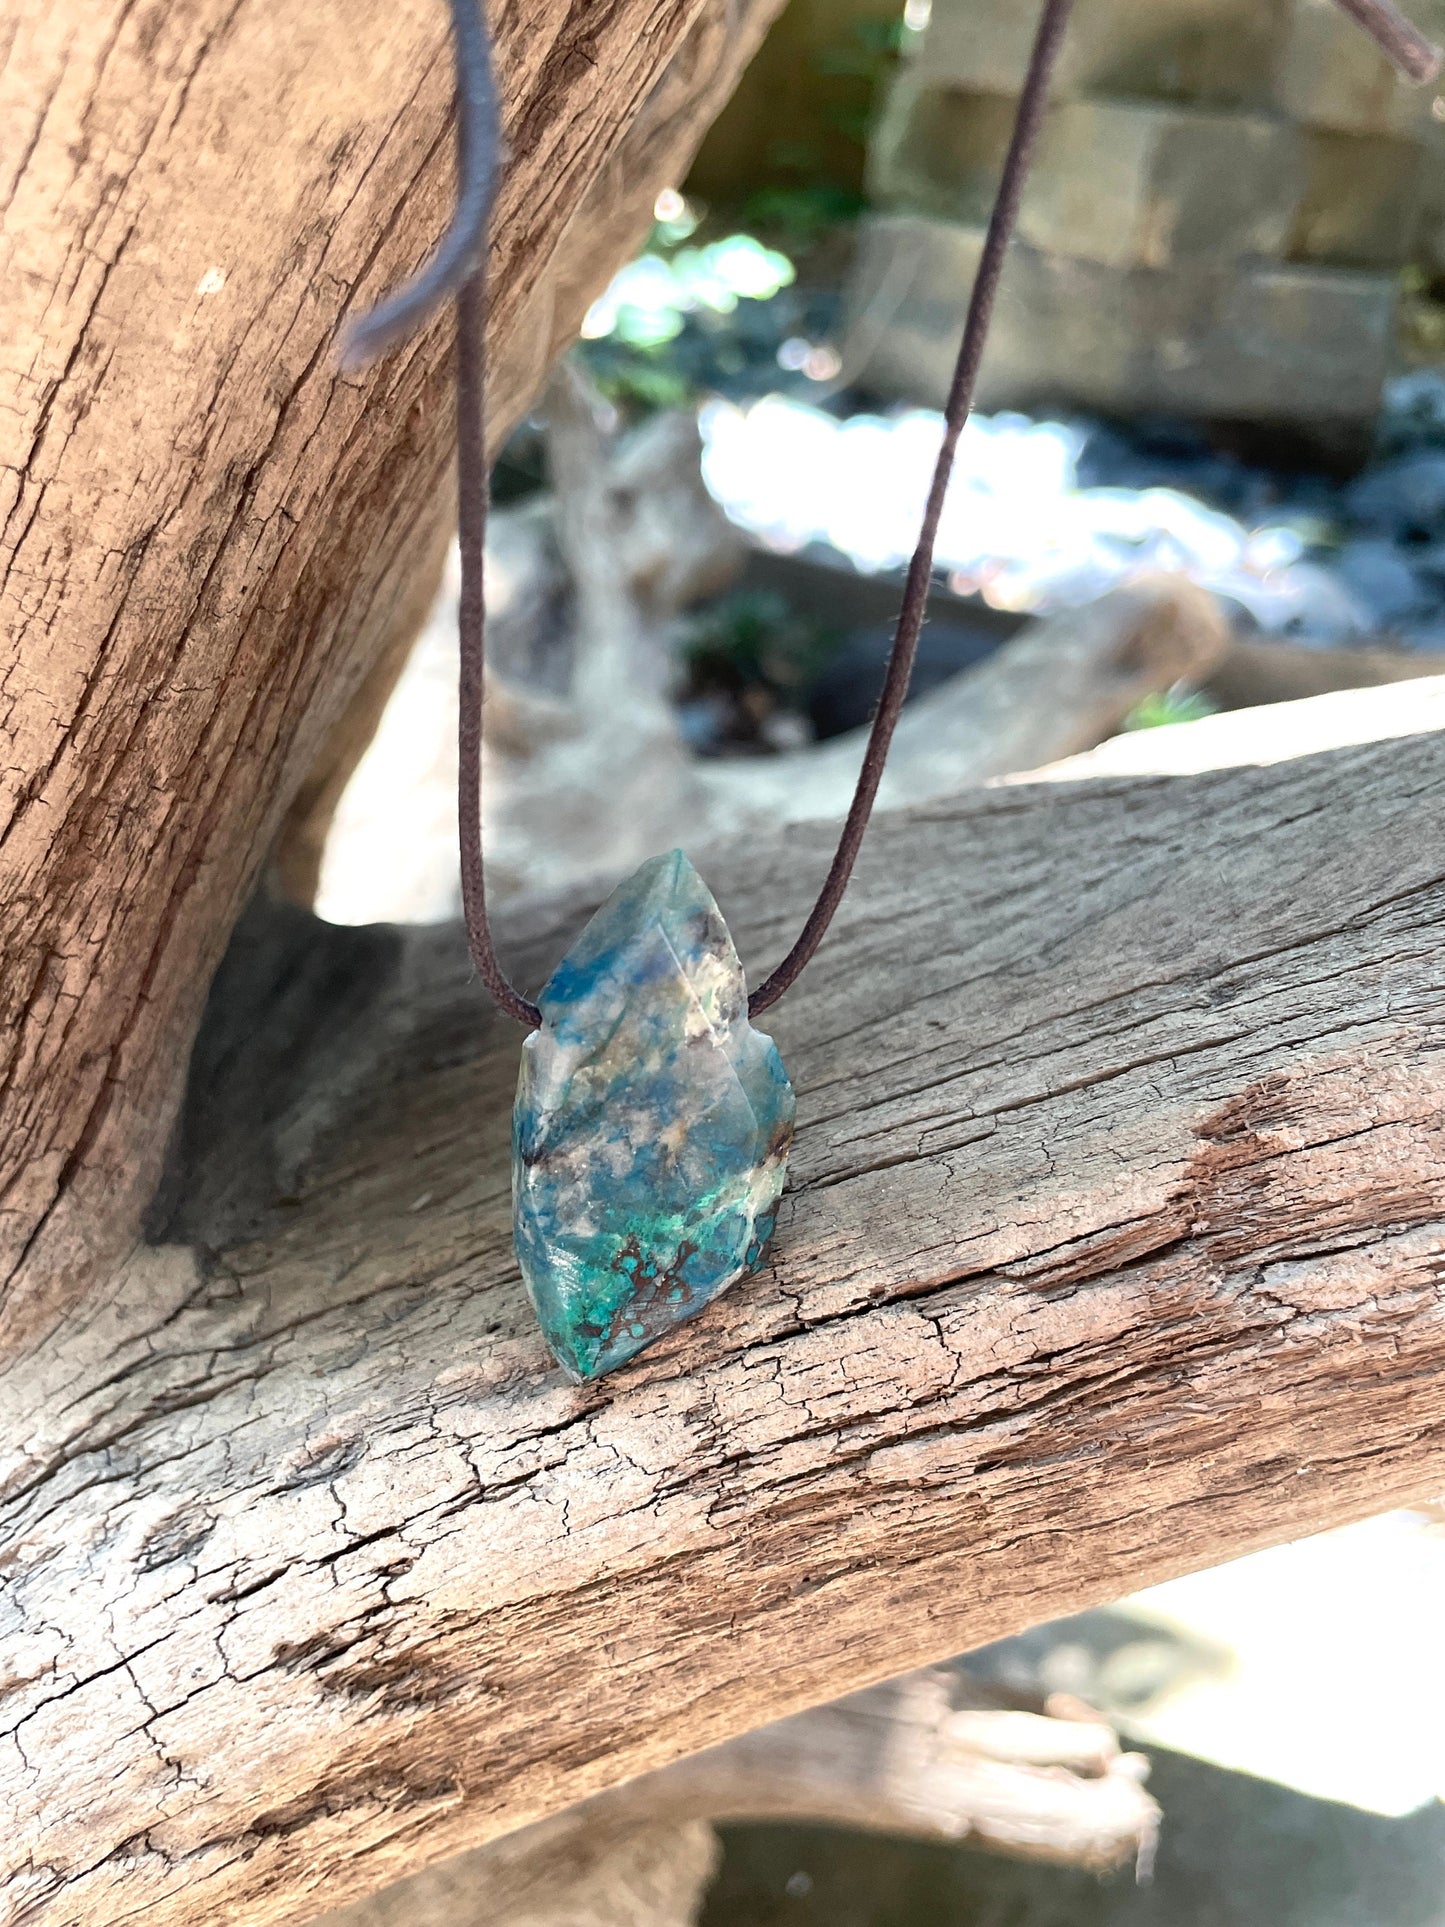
[
  {"x": 208, "y": 536},
  {"x": 1113, "y": 1248}
]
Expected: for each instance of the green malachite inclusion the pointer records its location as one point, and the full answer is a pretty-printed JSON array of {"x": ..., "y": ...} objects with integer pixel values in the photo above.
[{"x": 652, "y": 1126}]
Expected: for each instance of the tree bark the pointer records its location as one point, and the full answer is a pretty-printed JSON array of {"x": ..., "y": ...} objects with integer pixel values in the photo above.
[
  {"x": 1112, "y": 1248},
  {"x": 207, "y": 534}
]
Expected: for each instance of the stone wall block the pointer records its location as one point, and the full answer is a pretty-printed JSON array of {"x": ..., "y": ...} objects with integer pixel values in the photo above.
[
  {"x": 1144, "y": 184},
  {"x": 1224, "y": 194},
  {"x": 1215, "y": 52},
  {"x": 937, "y": 149},
  {"x": 1276, "y": 343},
  {"x": 1061, "y": 326},
  {"x": 1293, "y": 344},
  {"x": 1126, "y": 183},
  {"x": 1362, "y": 200}
]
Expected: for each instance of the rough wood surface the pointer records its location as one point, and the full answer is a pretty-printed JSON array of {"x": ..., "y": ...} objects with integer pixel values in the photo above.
[
  {"x": 1112, "y": 1248},
  {"x": 207, "y": 535},
  {"x": 935, "y": 1755},
  {"x": 602, "y": 1871}
]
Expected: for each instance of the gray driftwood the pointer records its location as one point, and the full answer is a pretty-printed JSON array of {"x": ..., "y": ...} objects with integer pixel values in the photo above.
[
  {"x": 1254, "y": 671},
  {"x": 586, "y": 780},
  {"x": 1061, "y": 684},
  {"x": 934, "y": 1755},
  {"x": 587, "y": 771},
  {"x": 1112, "y": 1248}
]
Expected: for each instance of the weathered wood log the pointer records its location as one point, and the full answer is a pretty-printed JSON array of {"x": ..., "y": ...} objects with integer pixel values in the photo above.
[
  {"x": 903, "y": 1758},
  {"x": 207, "y": 535},
  {"x": 581, "y": 788},
  {"x": 1275, "y": 734},
  {"x": 1253, "y": 671},
  {"x": 597, "y": 1871},
  {"x": 1063, "y": 682},
  {"x": 1112, "y": 1248}
]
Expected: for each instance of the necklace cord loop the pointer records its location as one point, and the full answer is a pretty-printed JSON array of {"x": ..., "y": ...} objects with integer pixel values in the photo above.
[
  {"x": 463, "y": 248},
  {"x": 458, "y": 269},
  {"x": 473, "y": 497}
]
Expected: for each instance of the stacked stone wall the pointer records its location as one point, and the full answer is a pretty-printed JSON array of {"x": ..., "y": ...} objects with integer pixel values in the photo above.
[{"x": 1225, "y": 194}]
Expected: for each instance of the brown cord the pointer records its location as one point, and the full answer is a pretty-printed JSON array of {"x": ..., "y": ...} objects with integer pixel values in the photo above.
[
  {"x": 464, "y": 245},
  {"x": 459, "y": 267},
  {"x": 473, "y": 495},
  {"x": 1399, "y": 39},
  {"x": 1027, "y": 121}
]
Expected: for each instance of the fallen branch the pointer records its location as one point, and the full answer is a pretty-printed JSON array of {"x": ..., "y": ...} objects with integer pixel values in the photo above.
[
  {"x": 1253, "y": 672},
  {"x": 1061, "y": 684},
  {"x": 1276, "y": 734},
  {"x": 1112, "y": 1249}
]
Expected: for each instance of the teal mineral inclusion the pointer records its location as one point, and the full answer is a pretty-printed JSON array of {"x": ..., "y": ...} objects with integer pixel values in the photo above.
[{"x": 652, "y": 1127}]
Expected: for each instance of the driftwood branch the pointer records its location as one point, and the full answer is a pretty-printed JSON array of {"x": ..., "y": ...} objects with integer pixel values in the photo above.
[
  {"x": 1060, "y": 685},
  {"x": 208, "y": 536},
  {"x": 1339, "y": 719},
  {"x": 587, "y": 771},
  {"x": 1253, "y": 672},
  {"x": 1112, "y": 1248},
  {"x": 904, "y": 1758}
]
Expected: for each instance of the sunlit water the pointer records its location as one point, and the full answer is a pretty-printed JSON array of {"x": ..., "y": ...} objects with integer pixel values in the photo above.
[{"x": 1016, "y": 527}]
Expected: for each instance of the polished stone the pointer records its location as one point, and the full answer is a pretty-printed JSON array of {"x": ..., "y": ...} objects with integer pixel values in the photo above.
[{"x": 652, "y": 1125}]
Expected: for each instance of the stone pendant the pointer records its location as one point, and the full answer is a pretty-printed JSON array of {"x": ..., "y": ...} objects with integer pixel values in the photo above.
[{"x": 652, "y": 1127}]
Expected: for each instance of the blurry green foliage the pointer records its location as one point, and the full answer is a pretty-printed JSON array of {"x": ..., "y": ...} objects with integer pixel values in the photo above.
[
  {"x": 1167, "y": 706},
  {"x": 662, "y": 331},
  {"x": 800, "y": 216},
  {"x": 647, "y": 301},
  {"x": 755, "y": 636}
]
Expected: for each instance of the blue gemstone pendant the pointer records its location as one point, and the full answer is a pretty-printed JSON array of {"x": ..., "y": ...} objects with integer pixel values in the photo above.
[{"x": 651, "y": 1132}]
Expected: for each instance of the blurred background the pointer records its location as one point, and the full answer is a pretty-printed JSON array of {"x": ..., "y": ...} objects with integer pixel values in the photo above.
[{"x": 1211, "y": 443}]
